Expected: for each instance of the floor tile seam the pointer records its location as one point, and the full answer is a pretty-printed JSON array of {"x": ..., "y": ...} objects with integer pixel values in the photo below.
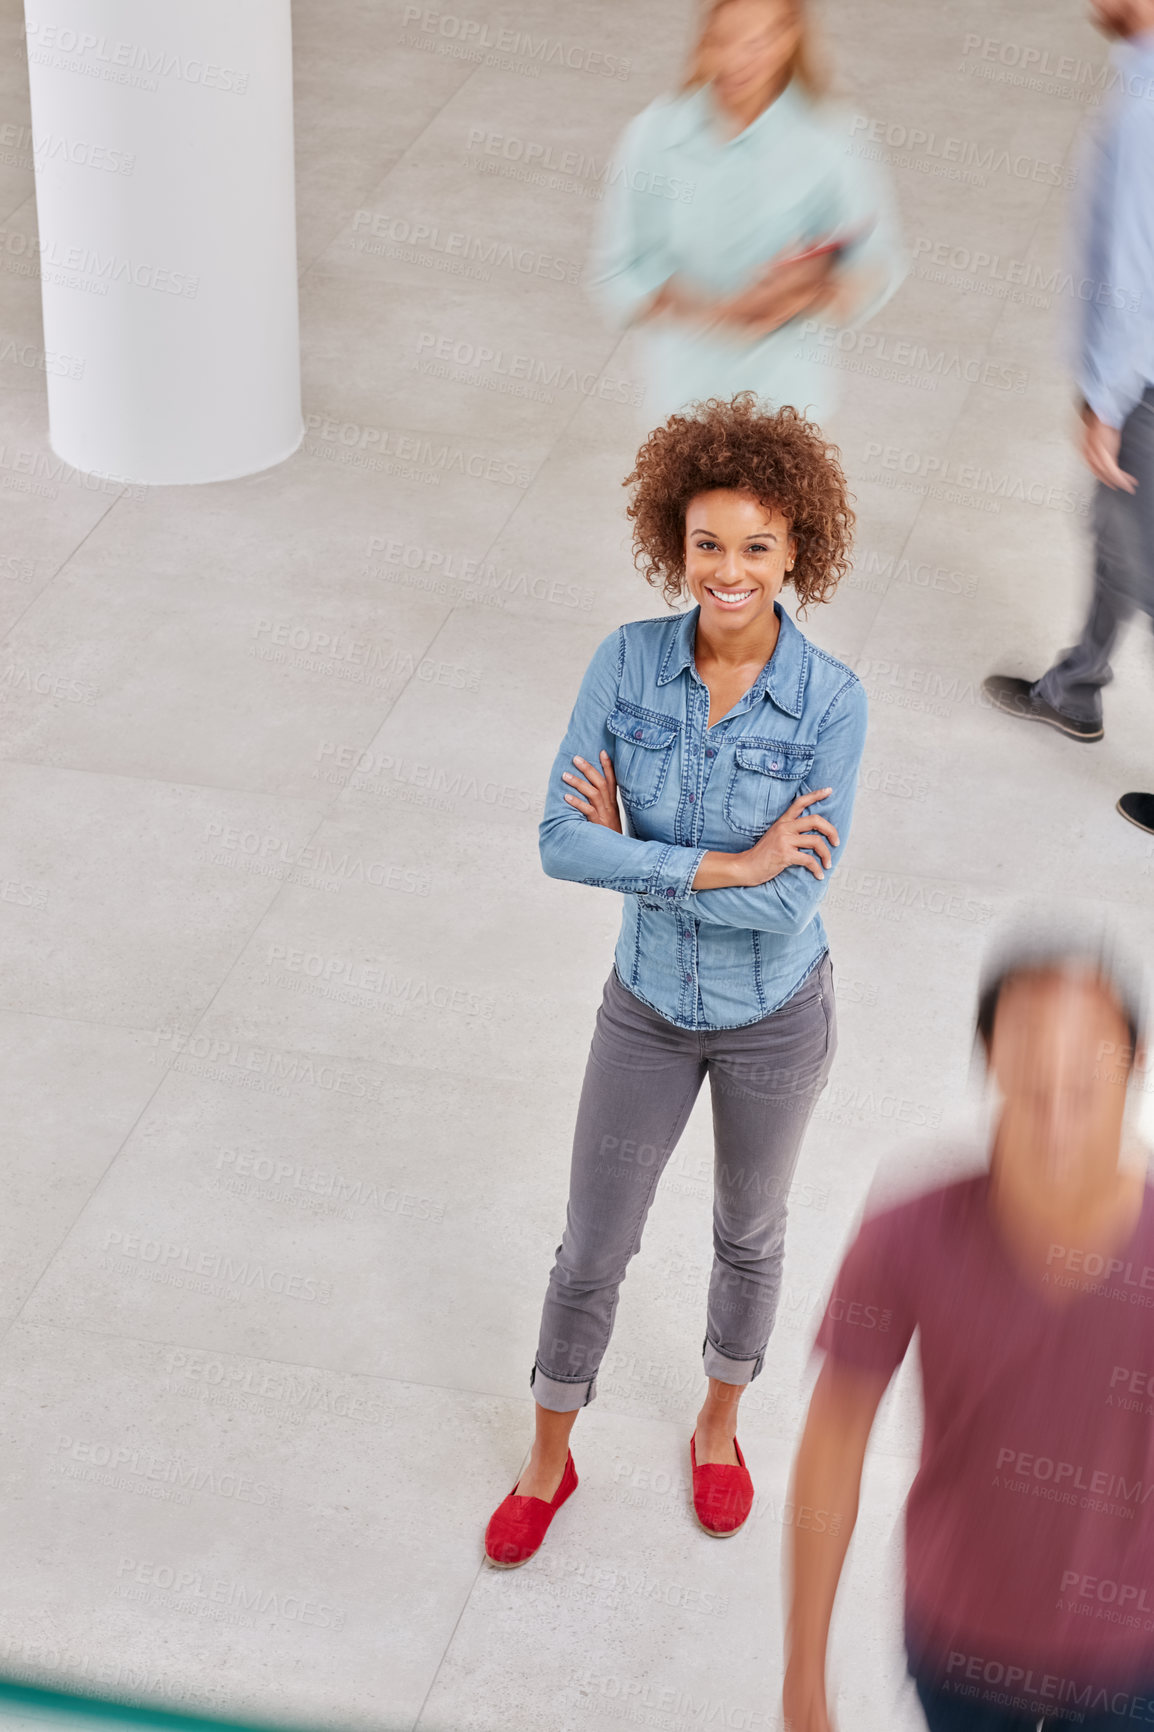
[
  {"x": 467, "y": 1392},
  {"x": 480, "y": 1072},
  {"x": 7, "y": 217},
  {"x": 78, "y": 1329},
  {"x": 440, "y": 1664},
  {"x": 67, "y": 1232},
  {"x": 49, "y": 582},
  {"x": 228, "y": 972},
  {"x": 548, "y": 450},
  {"x": 155, "y": 781},
  {"x": 401, "y": 156}
]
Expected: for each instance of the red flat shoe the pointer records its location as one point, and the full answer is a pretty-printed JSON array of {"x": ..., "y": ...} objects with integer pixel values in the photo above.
[
  {"x": 722, "y": 1496},
  {"x": 518, "y": 1525}
]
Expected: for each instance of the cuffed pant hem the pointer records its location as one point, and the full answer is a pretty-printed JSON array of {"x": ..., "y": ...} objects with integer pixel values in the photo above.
[
  {"x": 726, "y": 1370},
  {"x": 560, "y": 1397}
]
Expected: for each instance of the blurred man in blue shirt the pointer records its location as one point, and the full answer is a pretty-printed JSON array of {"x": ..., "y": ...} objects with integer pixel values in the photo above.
[{"x": 1116, "y": 376}]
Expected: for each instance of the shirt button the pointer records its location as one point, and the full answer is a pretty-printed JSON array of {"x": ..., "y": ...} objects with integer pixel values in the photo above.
[
  {"x": 692, "y": 797},
  {"x": 710, "y": 752},
  {"x": 689, "y": 979},
  {"x": 671, "y": 892},
  {"x": 638, "y": 734}
]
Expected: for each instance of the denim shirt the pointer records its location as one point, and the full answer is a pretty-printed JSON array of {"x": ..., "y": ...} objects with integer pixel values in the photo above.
[{"x": 706, "y": 958}]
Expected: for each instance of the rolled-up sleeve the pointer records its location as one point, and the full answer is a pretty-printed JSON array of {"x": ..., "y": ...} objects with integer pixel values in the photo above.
[
  {"x": 631, "y": 258},
  {"x": 572, "y": 846},
  {"x": 789, "y": 902},
  {"x": 1117, "y": 353}
]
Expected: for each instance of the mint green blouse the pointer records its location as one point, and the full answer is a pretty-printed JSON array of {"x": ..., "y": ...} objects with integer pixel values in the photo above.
[{"x": 682, "y": 199}]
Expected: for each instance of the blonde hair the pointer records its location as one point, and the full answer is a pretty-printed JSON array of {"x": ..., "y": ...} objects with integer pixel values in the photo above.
[{"x": 807, "y": 64}]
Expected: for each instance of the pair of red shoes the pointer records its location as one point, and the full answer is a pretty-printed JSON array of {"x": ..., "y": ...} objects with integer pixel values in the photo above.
[{"x": 722, "y": 1500}]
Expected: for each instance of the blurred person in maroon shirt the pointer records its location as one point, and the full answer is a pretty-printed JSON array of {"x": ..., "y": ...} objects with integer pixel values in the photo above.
[{"x": 1030, "y": 1524}]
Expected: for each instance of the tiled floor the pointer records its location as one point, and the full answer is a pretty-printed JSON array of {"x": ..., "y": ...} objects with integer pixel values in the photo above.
[{"x": 284, "y": 986}]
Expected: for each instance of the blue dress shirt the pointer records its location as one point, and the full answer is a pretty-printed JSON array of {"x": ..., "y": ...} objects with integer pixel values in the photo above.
[
  {"x": 1117, "y": 333},
  {"x": 707, "y": 958}
]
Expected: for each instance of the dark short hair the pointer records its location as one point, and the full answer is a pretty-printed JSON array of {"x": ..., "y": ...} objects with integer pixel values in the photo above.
[{"x": 1032, "y": 953}]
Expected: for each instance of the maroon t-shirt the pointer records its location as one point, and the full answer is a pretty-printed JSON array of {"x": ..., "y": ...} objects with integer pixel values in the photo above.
[{"x": 1030, "y": 1524}]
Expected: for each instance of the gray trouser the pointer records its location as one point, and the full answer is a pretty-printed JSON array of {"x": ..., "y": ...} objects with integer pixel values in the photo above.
[
  {"x": 641, "y": 1080},
  {"x": 1123, "y": 575}
]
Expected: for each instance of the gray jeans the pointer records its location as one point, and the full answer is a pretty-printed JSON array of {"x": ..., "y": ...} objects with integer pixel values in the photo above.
[
  {"x": 641, "y": 1080},
  {"x": 1123, "y": 575}
]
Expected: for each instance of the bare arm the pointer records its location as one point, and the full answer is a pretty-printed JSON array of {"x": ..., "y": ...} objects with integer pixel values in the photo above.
[{"x": 826, "y": 1478}]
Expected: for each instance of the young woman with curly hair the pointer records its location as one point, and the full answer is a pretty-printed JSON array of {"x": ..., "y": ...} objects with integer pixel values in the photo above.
[{"x": 734, "y": 744}]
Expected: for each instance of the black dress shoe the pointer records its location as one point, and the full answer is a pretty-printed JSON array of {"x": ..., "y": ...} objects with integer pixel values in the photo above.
[
  {"x": 1139, "y": 808},
  {"x": 1016, "y": 698}
]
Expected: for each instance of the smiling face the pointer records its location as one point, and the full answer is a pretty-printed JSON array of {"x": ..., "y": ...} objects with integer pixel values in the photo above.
[
  {"x": 738, "y": 553},
  {"x": 748, "y": 48}
]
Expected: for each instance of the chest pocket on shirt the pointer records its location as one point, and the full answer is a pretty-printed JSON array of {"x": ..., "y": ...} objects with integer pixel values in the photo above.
[
  {"x": 642, "y": 753},
  {"x": 763, "y": 782}
]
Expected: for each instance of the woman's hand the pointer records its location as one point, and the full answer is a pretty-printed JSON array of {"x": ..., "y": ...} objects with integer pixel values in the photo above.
[
  {"x": 785, "y": 289},
  {"x": 786, "y": 842},
  {"x": 783, "y": 844},
  {"x": 597, "y": 795}
]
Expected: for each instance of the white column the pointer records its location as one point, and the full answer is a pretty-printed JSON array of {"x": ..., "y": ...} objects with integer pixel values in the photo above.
[{"x": 162, "y": 139}]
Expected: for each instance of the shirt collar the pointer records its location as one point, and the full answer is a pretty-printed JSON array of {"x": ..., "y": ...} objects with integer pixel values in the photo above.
[
  {"x": 782, "y": 679},
  {"x": 695, "y": 117}
]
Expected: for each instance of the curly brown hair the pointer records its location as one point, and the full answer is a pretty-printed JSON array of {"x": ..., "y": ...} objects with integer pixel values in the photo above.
[{"x": 781, "y": 459}]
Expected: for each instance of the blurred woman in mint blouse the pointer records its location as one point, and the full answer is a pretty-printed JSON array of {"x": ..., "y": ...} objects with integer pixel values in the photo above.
[{"x": 735, "y": 212}]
